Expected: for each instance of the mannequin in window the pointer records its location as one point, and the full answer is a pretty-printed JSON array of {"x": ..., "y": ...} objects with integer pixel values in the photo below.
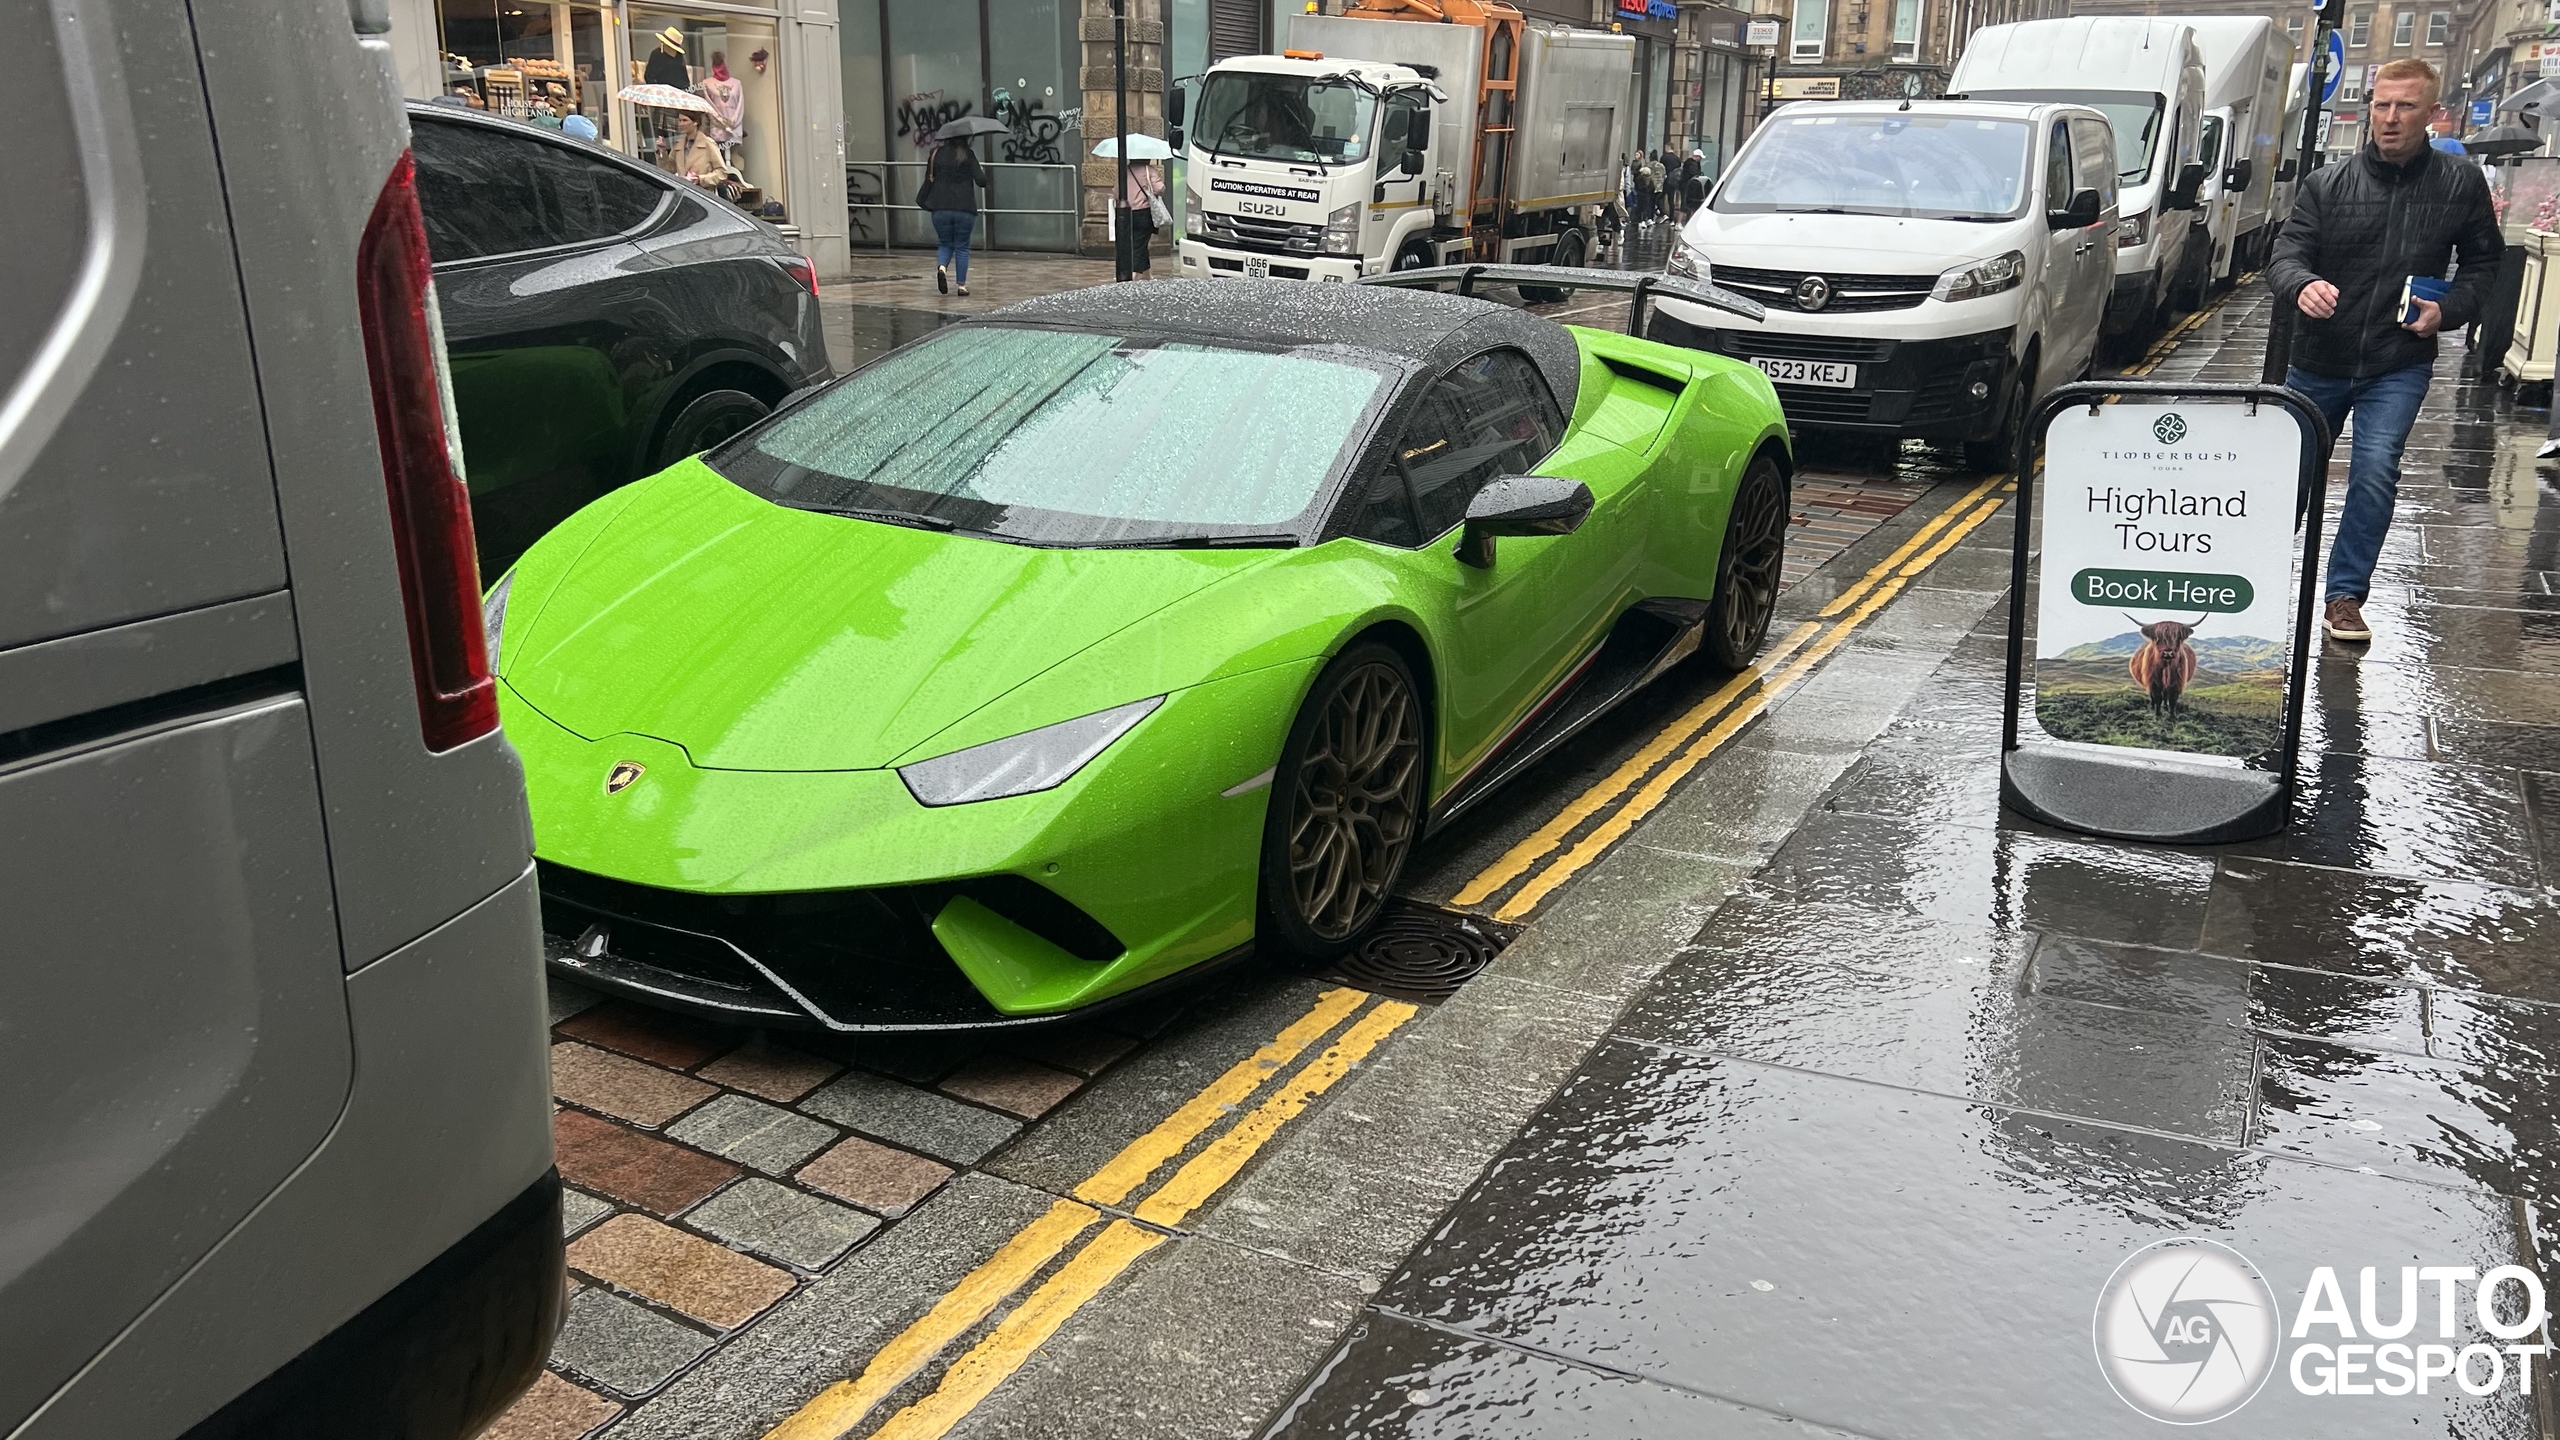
[
  {"x": 666, "y": 63},
  {"x": 728, "y": 103},
  {"x": 693, "y": 156}
]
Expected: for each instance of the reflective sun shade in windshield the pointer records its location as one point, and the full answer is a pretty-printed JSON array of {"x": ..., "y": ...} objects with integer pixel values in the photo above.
[
  {"x": 1063, "y": 437},
  {"x": 1290, "y": 118},
  {"x": 1938, "y": 167}
]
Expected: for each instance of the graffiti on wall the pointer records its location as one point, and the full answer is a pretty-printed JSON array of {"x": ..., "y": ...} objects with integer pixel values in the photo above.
[
  {"x": 920, "y": 115},
  {"x": 1031, "y": 137}
]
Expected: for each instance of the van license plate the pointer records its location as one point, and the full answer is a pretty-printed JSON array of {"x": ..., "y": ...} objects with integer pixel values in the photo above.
[
  {"x": 1825, "y": 373},
  {"x": 1256, "y": 268}
]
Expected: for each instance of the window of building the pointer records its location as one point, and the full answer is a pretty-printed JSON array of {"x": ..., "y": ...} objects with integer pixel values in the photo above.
[
  {"x": 1906, "y": 30},
  {"x": 2439, "y": 26},
  {"x": 1813, "y": 18},
  {"x": 2403, "y": 26},
  {"x": 2351, "y": 84},
  {"x": 2343, "y": 137},
  {"x": 2293, "y": 29},
  {"x": 2360, "y": 29}
]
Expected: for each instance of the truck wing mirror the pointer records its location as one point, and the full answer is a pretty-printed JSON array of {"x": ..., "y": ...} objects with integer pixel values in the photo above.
[
  {"x": 2238, "y": 176},
  {"x": 2078, "y": 213},
  {"x": 1413, "y": 162},
  {"x": 2182, "y": 196},
  {"x": 1173, "y": 134},
  {"x": 1521, "y": 505},
  {"x": 2285, "y": 171},
  {"x": 1173, "y": 105}
]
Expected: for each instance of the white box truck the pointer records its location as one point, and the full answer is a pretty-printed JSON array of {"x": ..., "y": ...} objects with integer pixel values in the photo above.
[
  {"x": 2246, "y": 60},
  {"x": 2146, "y": 75},
  {"x": 1378, "y": 142}
]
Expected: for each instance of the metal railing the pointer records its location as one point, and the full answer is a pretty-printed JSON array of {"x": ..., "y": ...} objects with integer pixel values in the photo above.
[{"x": 880, "y": 206}]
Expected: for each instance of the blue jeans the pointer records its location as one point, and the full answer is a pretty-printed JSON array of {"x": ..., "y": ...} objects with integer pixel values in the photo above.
[
  {"x": 2384, "y": 406},
  {"x": 952, "y": 228}
]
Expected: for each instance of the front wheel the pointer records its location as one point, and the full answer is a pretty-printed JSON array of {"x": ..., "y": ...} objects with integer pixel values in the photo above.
[
  {"x": 705, "y": 421},
  {"x": 1751, "y": 566},
  {"x": 1570, "y": 251},
  {"x": 1346, "y": 804}
]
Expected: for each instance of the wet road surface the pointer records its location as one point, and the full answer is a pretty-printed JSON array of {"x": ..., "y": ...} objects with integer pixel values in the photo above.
[{"x": 1863, "y": 1157}]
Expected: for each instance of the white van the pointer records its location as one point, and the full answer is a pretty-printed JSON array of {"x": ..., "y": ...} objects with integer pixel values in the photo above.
[
  {"x": 2245, "y": 62},
  {"x": 1929, "y": 267},
  {"x": 2147, "y": 75}
]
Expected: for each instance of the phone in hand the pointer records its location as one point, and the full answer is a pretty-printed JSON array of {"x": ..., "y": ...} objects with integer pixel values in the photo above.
[{"x": 2421, "y": 287}]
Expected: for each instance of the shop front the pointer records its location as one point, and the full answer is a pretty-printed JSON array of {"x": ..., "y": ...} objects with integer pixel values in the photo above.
[
  {"x": 1720, "y": 83},
  {"x": 911, "y": 67},
  {"x": 768, "y": 76},
  {"x": 1654, "y": 24}
]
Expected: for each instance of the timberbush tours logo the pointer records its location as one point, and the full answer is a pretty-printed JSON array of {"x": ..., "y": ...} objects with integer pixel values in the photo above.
[
  {"x": 2170, "y": 428},
  {"x": 2188, "y": 1331}
]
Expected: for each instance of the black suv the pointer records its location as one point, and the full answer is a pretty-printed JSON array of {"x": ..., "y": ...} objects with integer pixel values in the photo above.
[{"x": 604, "y": 319}]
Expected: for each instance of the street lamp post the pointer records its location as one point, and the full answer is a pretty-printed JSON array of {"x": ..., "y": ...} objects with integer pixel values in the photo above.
[{"x": 1120, "y": 137}]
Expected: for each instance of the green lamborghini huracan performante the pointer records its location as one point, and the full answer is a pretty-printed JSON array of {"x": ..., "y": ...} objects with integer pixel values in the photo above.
[{"x": 1099, "y": 639}]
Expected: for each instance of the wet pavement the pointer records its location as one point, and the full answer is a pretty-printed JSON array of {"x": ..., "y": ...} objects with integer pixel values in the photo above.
[{"x": 1862, "y": 1159}]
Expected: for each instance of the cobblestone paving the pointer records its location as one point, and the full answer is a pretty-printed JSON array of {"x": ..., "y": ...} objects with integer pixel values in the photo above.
[{"x": 713, "y": 1173}]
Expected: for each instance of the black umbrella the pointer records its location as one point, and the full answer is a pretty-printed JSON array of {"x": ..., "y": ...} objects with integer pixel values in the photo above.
[
  {"x": 2501, "y": 140},
  {"x": 969, "y": 127}
]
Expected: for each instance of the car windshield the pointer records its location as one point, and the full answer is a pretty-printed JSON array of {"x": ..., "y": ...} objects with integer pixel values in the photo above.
[
  {"x": 1936, "y": 167},
  {"x": 1070, "y": 438},
  {"x": 1289, "y": 118},
  {"x": 2133, "y": 114}
]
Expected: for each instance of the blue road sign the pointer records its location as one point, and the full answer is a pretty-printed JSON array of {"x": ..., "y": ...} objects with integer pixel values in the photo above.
[
  {"x": 2336, "y": 67},
  {"x": 2482, "y": 111}
]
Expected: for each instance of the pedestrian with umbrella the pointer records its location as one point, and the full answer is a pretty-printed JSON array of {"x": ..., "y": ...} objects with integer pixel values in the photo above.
[
  {"x": 683, "y": 102},
  {"x": 952, "y": 179},
  {"x": 1142, "y": 208}
]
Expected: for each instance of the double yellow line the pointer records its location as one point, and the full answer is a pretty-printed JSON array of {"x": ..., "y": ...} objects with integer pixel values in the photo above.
[
  {"x": 1639, "y": 786},
  {"x": 842, "y": 1407}
]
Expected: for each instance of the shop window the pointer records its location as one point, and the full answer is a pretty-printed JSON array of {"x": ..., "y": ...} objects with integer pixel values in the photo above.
[
  {"x": 2360, "y": 29},
  {"x": 1906, "y": 31},
  {"x": 1812, "y": 21},
  {"x": 2402, "y": 26},
  {"x": 2439, "y": 26},
  {"x": 749, "y": 131}
]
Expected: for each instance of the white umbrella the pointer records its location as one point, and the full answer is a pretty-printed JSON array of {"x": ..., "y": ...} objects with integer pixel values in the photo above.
[
  {"x": 1141, "y": 147},
  {"x": 665, "y": 97}
]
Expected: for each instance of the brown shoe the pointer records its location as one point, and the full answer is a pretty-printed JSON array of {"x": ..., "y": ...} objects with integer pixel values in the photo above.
[{"x": 2344, "y": 620}]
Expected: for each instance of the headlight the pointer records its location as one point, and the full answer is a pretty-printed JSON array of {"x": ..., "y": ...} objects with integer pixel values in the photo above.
[
  {"x": 493, "y": 613},
  {"x": 1023, "y": 764},
  {"x": 1983, "y": 277},
  {"x": 1342, "y": 230},
  {"x": 2134, "y": 229},
  {"x": 1688, "y": 262}
]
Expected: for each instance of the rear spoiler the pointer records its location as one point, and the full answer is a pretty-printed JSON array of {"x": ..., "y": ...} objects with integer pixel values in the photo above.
[{"x": 1643, "y": 287}]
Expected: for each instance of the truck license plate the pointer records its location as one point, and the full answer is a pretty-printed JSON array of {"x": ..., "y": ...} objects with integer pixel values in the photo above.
[
  {"x": 1256, "y": 268},
  {"x": 1825, "y": 373}
]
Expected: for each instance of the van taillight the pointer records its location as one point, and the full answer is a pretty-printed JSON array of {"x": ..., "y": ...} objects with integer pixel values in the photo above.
[{"x": 422, "y": 466}]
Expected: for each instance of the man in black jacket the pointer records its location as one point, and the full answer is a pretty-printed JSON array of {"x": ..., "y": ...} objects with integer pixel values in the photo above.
[{"x": 2359, "y": 231}]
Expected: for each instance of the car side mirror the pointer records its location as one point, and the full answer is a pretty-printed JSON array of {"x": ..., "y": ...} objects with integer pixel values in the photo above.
[
  {"x": 2079, "y": 213},
  {"x": 2238, "y": 176},
  {"x": 1521, "y": 505},
  {"x": 1174, "y": 104}
]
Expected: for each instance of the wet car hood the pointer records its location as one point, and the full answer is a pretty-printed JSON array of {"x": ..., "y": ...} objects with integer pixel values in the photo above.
[
  {"x": 1850, "y": 244},
  {"x": 763, "y": 638}
]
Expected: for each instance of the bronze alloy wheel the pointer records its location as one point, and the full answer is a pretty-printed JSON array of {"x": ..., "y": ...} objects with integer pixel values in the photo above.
[
  {"x": 1755, "y": 555},
  {"x": 1350, "y": 802}
]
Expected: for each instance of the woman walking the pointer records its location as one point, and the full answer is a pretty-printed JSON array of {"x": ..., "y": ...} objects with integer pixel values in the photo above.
[
  {"x": 1138, "y": 216},
  {"x": 952, "y": 179}
]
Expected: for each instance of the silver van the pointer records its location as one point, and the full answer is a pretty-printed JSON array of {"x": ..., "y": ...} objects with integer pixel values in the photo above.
[{"x": 275, "y": 1152}]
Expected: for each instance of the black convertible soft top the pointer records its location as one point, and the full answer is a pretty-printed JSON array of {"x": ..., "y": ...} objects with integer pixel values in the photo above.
[{"x": 1423, "y": 326}]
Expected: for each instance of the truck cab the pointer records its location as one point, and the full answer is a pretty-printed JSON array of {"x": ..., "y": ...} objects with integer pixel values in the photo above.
[
  {"x": 2245, "y": 62},
  {"x": 1397, "y": 135},
  {"x": 1310, "y": 169}
]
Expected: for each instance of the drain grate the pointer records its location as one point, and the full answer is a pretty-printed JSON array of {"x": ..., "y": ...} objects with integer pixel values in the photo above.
[{"x": 1422, "y": 954}]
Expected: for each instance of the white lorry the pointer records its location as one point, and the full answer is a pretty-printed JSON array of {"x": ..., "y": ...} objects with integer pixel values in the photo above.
[
  {"x": 1375, "y": 142},
  {"x": 2246, "y": 64},
  {"x": 2146, "y": 75}
]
